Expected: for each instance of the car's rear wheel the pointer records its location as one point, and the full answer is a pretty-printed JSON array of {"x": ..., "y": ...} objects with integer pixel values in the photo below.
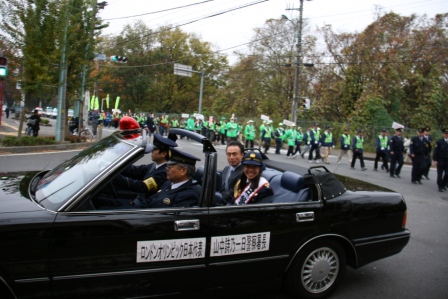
[{"x": 317, "y": 269}]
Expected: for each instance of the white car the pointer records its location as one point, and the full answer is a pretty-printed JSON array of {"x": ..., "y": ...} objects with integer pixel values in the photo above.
[{"x": 54, "y": 113}]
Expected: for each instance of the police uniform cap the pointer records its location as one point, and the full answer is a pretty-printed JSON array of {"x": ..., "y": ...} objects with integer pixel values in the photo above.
[
  {"x": 328, "y": 127},
  {"x": 427, "y": 129},
  {"x": 421, "y": 130},
  {"x": 315, "y": 124},
  {"x": 384, "y": 130},
  {"x": 346, "y": 129},
  {"x": 176, "y": 156},
  {"x": 399, "y": 130},
  {"x": 360, "y": 131},
  {"x": 162, "y": 142},
  {"x": 252, "y": 158},
  {"x": 445, "y": 131}
]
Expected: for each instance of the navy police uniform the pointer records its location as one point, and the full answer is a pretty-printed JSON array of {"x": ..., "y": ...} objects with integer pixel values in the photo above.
[
  {"x": 441, "y": 157},
  {"x": 396, "y": 150},
  {"x": 181, "y": 194},
  {"x": 428, "y": 140},
  {"x": 146, "y": 179},
  {"x": 418, "y": 149}
]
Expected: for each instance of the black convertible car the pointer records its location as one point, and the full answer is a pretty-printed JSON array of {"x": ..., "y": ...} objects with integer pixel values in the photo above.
[{"x": 54, "y": 243}]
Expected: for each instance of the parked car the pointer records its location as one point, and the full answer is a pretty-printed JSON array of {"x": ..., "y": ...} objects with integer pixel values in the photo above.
[
  {"x": 48, "y": 111},
  {"x": 56, "y": 243}
]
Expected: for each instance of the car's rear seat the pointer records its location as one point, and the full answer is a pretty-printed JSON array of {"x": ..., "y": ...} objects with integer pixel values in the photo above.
[{"x": 287, "y": 186}]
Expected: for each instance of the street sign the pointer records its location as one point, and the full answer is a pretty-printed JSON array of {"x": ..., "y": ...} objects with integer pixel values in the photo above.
[{"x": 183, "y": 70}]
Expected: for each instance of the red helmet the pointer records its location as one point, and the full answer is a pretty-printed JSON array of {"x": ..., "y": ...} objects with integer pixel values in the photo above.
[{"x": 129, "y": 123}]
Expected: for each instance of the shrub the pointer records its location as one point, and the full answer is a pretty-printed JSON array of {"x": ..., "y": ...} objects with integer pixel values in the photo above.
[{"x": 28, "y": 141}]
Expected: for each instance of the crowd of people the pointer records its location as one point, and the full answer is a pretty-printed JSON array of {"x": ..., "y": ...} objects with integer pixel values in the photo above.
[{"x": 393, "y": 150}]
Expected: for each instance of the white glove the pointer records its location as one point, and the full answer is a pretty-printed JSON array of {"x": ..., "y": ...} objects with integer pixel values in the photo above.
[
  {"x": 382, "y": 148},
  {"x": 315, "y": 142},
  {"x": 333, "y": 146},
  {"x": 308, "y": 143}
]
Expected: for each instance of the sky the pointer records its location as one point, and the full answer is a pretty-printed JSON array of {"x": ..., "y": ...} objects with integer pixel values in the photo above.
[{"x": 230, "y": 31}]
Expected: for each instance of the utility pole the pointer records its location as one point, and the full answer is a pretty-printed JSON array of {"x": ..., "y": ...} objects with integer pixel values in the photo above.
[{"x": 298, "y": 63}]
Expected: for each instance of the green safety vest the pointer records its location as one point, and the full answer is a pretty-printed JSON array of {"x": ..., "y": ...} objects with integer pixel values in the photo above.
[
  {"x": 291, "y": 136},
  {"x": 232, "y": 129},
  {"x": 174, "y": 123},
  {"x": 249, "y": 132},
  {"x": 299, "y": 136},
  {"x": 346, "y": 139},
  {"x": 328, "y": 138},
  {"x": 383, "y": 141},
  {"x": 359, "y": 142}
]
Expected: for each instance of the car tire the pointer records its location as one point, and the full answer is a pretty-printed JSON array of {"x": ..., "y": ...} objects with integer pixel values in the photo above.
[{"x": 317, "y": 269}]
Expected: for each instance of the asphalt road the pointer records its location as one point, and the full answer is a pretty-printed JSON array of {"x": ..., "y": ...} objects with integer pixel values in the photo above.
[{"x": 419, "y": 271}]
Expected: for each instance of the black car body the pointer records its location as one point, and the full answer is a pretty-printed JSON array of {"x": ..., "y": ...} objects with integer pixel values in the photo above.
[{"x": 54, "y": 243}]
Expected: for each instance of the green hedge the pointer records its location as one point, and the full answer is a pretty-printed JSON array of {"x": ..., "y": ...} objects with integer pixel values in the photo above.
[{"x": 27, "y": 141}]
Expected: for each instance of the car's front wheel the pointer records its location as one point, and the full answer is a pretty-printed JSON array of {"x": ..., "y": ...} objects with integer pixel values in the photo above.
[{"x": 317, "y": 269}]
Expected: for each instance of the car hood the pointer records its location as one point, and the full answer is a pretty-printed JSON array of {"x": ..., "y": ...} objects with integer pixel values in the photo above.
[{"x": 14, "y": 195}]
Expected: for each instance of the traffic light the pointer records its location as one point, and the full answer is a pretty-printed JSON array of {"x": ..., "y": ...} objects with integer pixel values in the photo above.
[
  {"x": 3, "y": 66},
  {"x": 120, "y": 59}
]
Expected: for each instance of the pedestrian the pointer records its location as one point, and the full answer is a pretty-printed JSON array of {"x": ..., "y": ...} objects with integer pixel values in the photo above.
[
  {"x": 279, "y": 132},
  {"x": 427, "y": 138},
  {"x": 345, "y": 147},
  {"x": 327, "y": 142},
  {"x": 418, "y": 151},
  {"x": 358, "y": 149},
  {"x": 266, "y": 135},
  {"x": 7, "y": 112},
  {"x": 382, "y": 145},
  {"x": 232, "y": 130},
  {"x": 314, "y": 143},
  {"x": 299, "y": 141},
  {"x": 249, "y": 134},
  {"x": 35, "y": 126},
  {"x": 290, "y": 136},
  {"x": 440, "y": 158},
  {"x": 95, "y": 121},
  {"x": 223, "y": 131},
  {"x": 306, "y": 141},
  {"x": 396, "y": 148}
]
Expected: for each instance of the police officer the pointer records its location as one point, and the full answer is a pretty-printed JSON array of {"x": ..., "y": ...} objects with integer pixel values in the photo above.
[
  {"x": 440, "y": 158},
  {"x": 396, "y": 148},
  {"x": 358, "y": 150},
  {"x": 418, "y": 150},
  {"x": 382, "y": 145},
  {"x": 147, "y": 179},
  {"x": 266, "y": 135},
  {"x": 179, "y": 190},
  {"x": 279, "y": 132}
]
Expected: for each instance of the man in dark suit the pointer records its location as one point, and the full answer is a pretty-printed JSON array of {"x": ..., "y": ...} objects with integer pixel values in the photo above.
[
  {"x": 418, "y": 149},
  {"x": 428, "y": 139},
  {"x": 232, "y": 172},
  {"x": 179, "y": 190},
  {"x": 396, "y": 150},
  {"x": 147, "y": 179},
  {"x": 440, "y": 158}
]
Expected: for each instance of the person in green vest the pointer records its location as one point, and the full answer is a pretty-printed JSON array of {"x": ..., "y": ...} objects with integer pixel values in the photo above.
[
  {"x": 217, "y": 133},
  {"x": 190, "y": 123},
  {"x": 327, "y": 142},
  {"x": 262, "y": 126},
  {"x": 382, "y": 149},
  {"x": 198, "y": 126},
  {"x": 279, "y": 133},
  {"x": 314, "y": 143},
  {"x": 358, "y": 149},
  {"x": 232, "y": 130},
  {"x": 299, "y": 141},
  {"x": 223, "y": 132},
  {"x": 174, "y": 123},
  {"x": 211, "y": 131},
  {"x": 266, "y": 135},
  {"x": 290, "y": 137},
  {"x": 249, "y": 134},
  {"x": 345, "y": 147},
  {"x": 163, "y": 124}
]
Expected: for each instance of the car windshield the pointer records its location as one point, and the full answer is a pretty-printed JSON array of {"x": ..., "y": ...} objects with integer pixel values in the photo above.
[{"x": 64, "y": 181}]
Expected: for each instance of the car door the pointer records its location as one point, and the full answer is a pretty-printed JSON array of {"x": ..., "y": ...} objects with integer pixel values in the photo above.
[
  {"x": 128, "y": 253},
  {"x": 253, "y": 244}
]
